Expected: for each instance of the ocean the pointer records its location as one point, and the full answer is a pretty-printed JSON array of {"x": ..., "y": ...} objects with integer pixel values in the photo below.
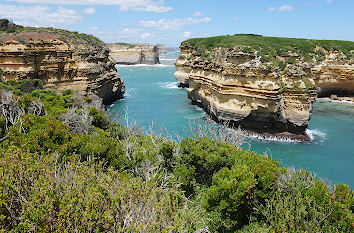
[{"x": 152, "y": 97}]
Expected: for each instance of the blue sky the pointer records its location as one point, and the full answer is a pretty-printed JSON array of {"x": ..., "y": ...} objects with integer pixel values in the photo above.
[{"x": 171, "y": 21}]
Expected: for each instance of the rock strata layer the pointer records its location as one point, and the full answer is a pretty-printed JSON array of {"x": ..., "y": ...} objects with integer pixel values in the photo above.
[
  {"x": 269, "y": 95},
  {"x": 132, "y": 54},
  {"x": 63, "y": 60}
]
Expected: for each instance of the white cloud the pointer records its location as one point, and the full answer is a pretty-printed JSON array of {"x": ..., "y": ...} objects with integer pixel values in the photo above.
[
  {"x": 236, "y": 18},
  {"x": 197, "y": 13},
  {"x": 125, "y": 5},
  {"x": 90, "y": 11},
  {"x": 39, "y": 15},
  {"x": 186, "y": 34},
  {"x": 166, "y": 24},
  {"x": 282, "y": 8}
]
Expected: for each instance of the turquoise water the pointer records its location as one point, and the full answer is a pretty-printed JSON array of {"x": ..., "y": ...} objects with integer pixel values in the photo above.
[{"x": 153, "y": 96}]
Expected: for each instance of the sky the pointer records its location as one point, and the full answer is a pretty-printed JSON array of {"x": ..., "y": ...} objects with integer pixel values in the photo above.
[{"x": 171, "y": 21}]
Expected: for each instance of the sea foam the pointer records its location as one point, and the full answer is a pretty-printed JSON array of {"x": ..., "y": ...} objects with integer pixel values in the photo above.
[{"x": 168, "y": 85}]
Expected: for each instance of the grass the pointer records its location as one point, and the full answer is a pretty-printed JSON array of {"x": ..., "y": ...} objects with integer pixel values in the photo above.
[
  {"x": 75, "y": 38},
  {"x": 271, "y": 47}
]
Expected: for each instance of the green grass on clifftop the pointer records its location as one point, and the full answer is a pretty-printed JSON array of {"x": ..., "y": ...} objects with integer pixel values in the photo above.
[
  {"x": 26, "y": 34},
  {"x": 271, "y": 47}
]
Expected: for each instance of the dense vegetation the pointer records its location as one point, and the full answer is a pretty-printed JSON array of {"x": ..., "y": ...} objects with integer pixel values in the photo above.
[
  {"x": 23, "y": 34},
  {"x": 269, "y": 48},
  {"x": 65, "y": 167}
]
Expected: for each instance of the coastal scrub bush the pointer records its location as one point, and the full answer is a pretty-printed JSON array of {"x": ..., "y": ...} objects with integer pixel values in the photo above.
[
  {"x": 40, "y": 134},
  {"x": 198, "y": 161},
  {"x": 54, "y": 104},
  {"x": 22, "y": 86},
  {"x": 302, "y": 203},
  {"x": 236, "y": 189},
  {"x": 2, "y": 126},
  {"x": 99, "y": 119},
  {"x": 39, "y": 194}
]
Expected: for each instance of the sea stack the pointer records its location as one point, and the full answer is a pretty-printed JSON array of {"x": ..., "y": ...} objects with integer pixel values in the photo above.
[
  {"x": 133, "y": 54},
  {"x": 263, "y": 84}
]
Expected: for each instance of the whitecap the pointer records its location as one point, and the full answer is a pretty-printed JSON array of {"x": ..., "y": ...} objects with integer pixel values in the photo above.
[
  {"x": 198, "y": 108},
  {"x": 316, "y": 134},
  {"x": 271, "y": 138},
  {"x": 168, "y": 85}
]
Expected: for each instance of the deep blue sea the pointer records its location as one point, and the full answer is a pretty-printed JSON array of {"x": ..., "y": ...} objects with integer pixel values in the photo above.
[{"x": 152, "y": 95}]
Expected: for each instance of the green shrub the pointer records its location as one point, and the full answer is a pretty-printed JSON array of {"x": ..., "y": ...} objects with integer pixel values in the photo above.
[
  {"x": 99, "y": 120},
  {"x": 301, "y": 203},
  {"x": 117, "y": 131},
  {"x": 281, "y": 65},
  {"x": 54, "y": 104},
  {"x": 235, "y": 190},
  {"x": 22, "y": 86},
  {"x": 41, "y": 134},
  {"x": 2, "y": 126},
  {"x": 39, "y": 194},
  {"x": 67, "y": 92},
  {"x": 291, "y": 60},
  {"x": 199, "y": 160}
]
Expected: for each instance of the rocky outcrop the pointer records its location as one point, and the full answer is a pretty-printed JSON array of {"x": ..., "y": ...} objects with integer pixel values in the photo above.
[
  {"x": 335, "y": 75},
  {"x": 63, "y": 60},
  {"x": 341, "y": 99},
  {"x": 132, "y": 54},
  {"x": 235, "y": 84}
]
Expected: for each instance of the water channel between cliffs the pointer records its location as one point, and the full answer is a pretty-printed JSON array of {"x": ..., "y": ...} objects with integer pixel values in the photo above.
[{"x": 153, "y": 96}]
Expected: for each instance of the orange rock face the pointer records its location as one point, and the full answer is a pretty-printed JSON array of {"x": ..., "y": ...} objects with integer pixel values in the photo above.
[
  {"x": 239, "y": 88},
  {"x": 60, "y": 64}
]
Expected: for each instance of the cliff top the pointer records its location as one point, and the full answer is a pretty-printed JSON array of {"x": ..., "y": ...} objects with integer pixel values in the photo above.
[
  {"x": 269, "y": 48},
  {"x": 138, "y": 46},
  {"x": 10, "y": 31}
]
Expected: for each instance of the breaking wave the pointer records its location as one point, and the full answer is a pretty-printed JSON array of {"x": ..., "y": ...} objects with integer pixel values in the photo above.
[{"x": 168, "y": 85}]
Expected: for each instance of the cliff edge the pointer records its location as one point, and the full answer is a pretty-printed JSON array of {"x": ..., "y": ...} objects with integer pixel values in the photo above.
[
  {"x": 132, "y": 54},
  {"x": 62, "y": 59},
  {"x": 264, "y": 84}
]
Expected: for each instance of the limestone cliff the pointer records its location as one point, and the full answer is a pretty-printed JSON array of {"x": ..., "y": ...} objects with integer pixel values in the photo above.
[
  {"x": 132, "y": 54},
  {"x": 62, "y": 59},
  {"x": 266, "y": 85},
  {"x": 335, "y": 75}
]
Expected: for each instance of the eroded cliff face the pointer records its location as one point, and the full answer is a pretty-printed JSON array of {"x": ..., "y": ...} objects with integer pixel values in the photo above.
[
  {"x": 62, "y": 62},
  {"x": 132, "y": 54},
  {"x": 237, "y": 87},
  {"x": 335, "y": 75}
]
